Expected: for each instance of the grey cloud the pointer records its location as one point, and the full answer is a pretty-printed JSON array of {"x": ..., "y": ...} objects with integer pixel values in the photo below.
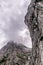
[{"x": 12, "y": 18}]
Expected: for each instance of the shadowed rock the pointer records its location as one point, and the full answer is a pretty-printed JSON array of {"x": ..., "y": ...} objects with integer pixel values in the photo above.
[{"x": 34, "y": 21}]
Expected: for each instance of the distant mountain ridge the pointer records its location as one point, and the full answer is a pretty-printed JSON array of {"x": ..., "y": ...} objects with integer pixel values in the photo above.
[{"x": 14, "y": 54}]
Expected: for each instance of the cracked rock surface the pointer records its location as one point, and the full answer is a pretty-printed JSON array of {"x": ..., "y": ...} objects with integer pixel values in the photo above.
[{"x": 34, "y": 21}]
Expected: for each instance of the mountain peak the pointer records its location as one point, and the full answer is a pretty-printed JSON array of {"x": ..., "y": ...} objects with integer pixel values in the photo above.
[{"x": 14, "y": 54}]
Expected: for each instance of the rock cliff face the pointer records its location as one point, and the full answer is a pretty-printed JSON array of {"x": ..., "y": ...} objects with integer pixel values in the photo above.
[
  {"x": 15, "y": 54},
  {"x": 34, "y": 21}
]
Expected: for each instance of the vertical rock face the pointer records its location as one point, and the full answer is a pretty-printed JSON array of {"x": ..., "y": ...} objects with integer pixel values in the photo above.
[{"x": 34, "y": 21}]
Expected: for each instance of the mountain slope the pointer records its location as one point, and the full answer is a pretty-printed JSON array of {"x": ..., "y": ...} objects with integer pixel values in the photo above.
[{"x": 14, "y": 54}]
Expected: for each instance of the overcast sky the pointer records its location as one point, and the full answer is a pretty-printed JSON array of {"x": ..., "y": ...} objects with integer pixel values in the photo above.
[{"x": 12, "y": 26}]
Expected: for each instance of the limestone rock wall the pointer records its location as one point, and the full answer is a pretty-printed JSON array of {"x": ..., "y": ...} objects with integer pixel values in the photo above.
[{"x": 34, "y": 21}]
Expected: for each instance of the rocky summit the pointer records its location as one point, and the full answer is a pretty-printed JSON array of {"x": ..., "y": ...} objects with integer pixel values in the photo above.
[{"x": 14, "y": 54}]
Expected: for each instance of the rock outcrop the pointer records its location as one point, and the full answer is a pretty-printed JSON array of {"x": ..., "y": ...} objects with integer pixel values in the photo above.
[
  {"x": 15, "y": 54},
  {"x": 34, "y": 21}
]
